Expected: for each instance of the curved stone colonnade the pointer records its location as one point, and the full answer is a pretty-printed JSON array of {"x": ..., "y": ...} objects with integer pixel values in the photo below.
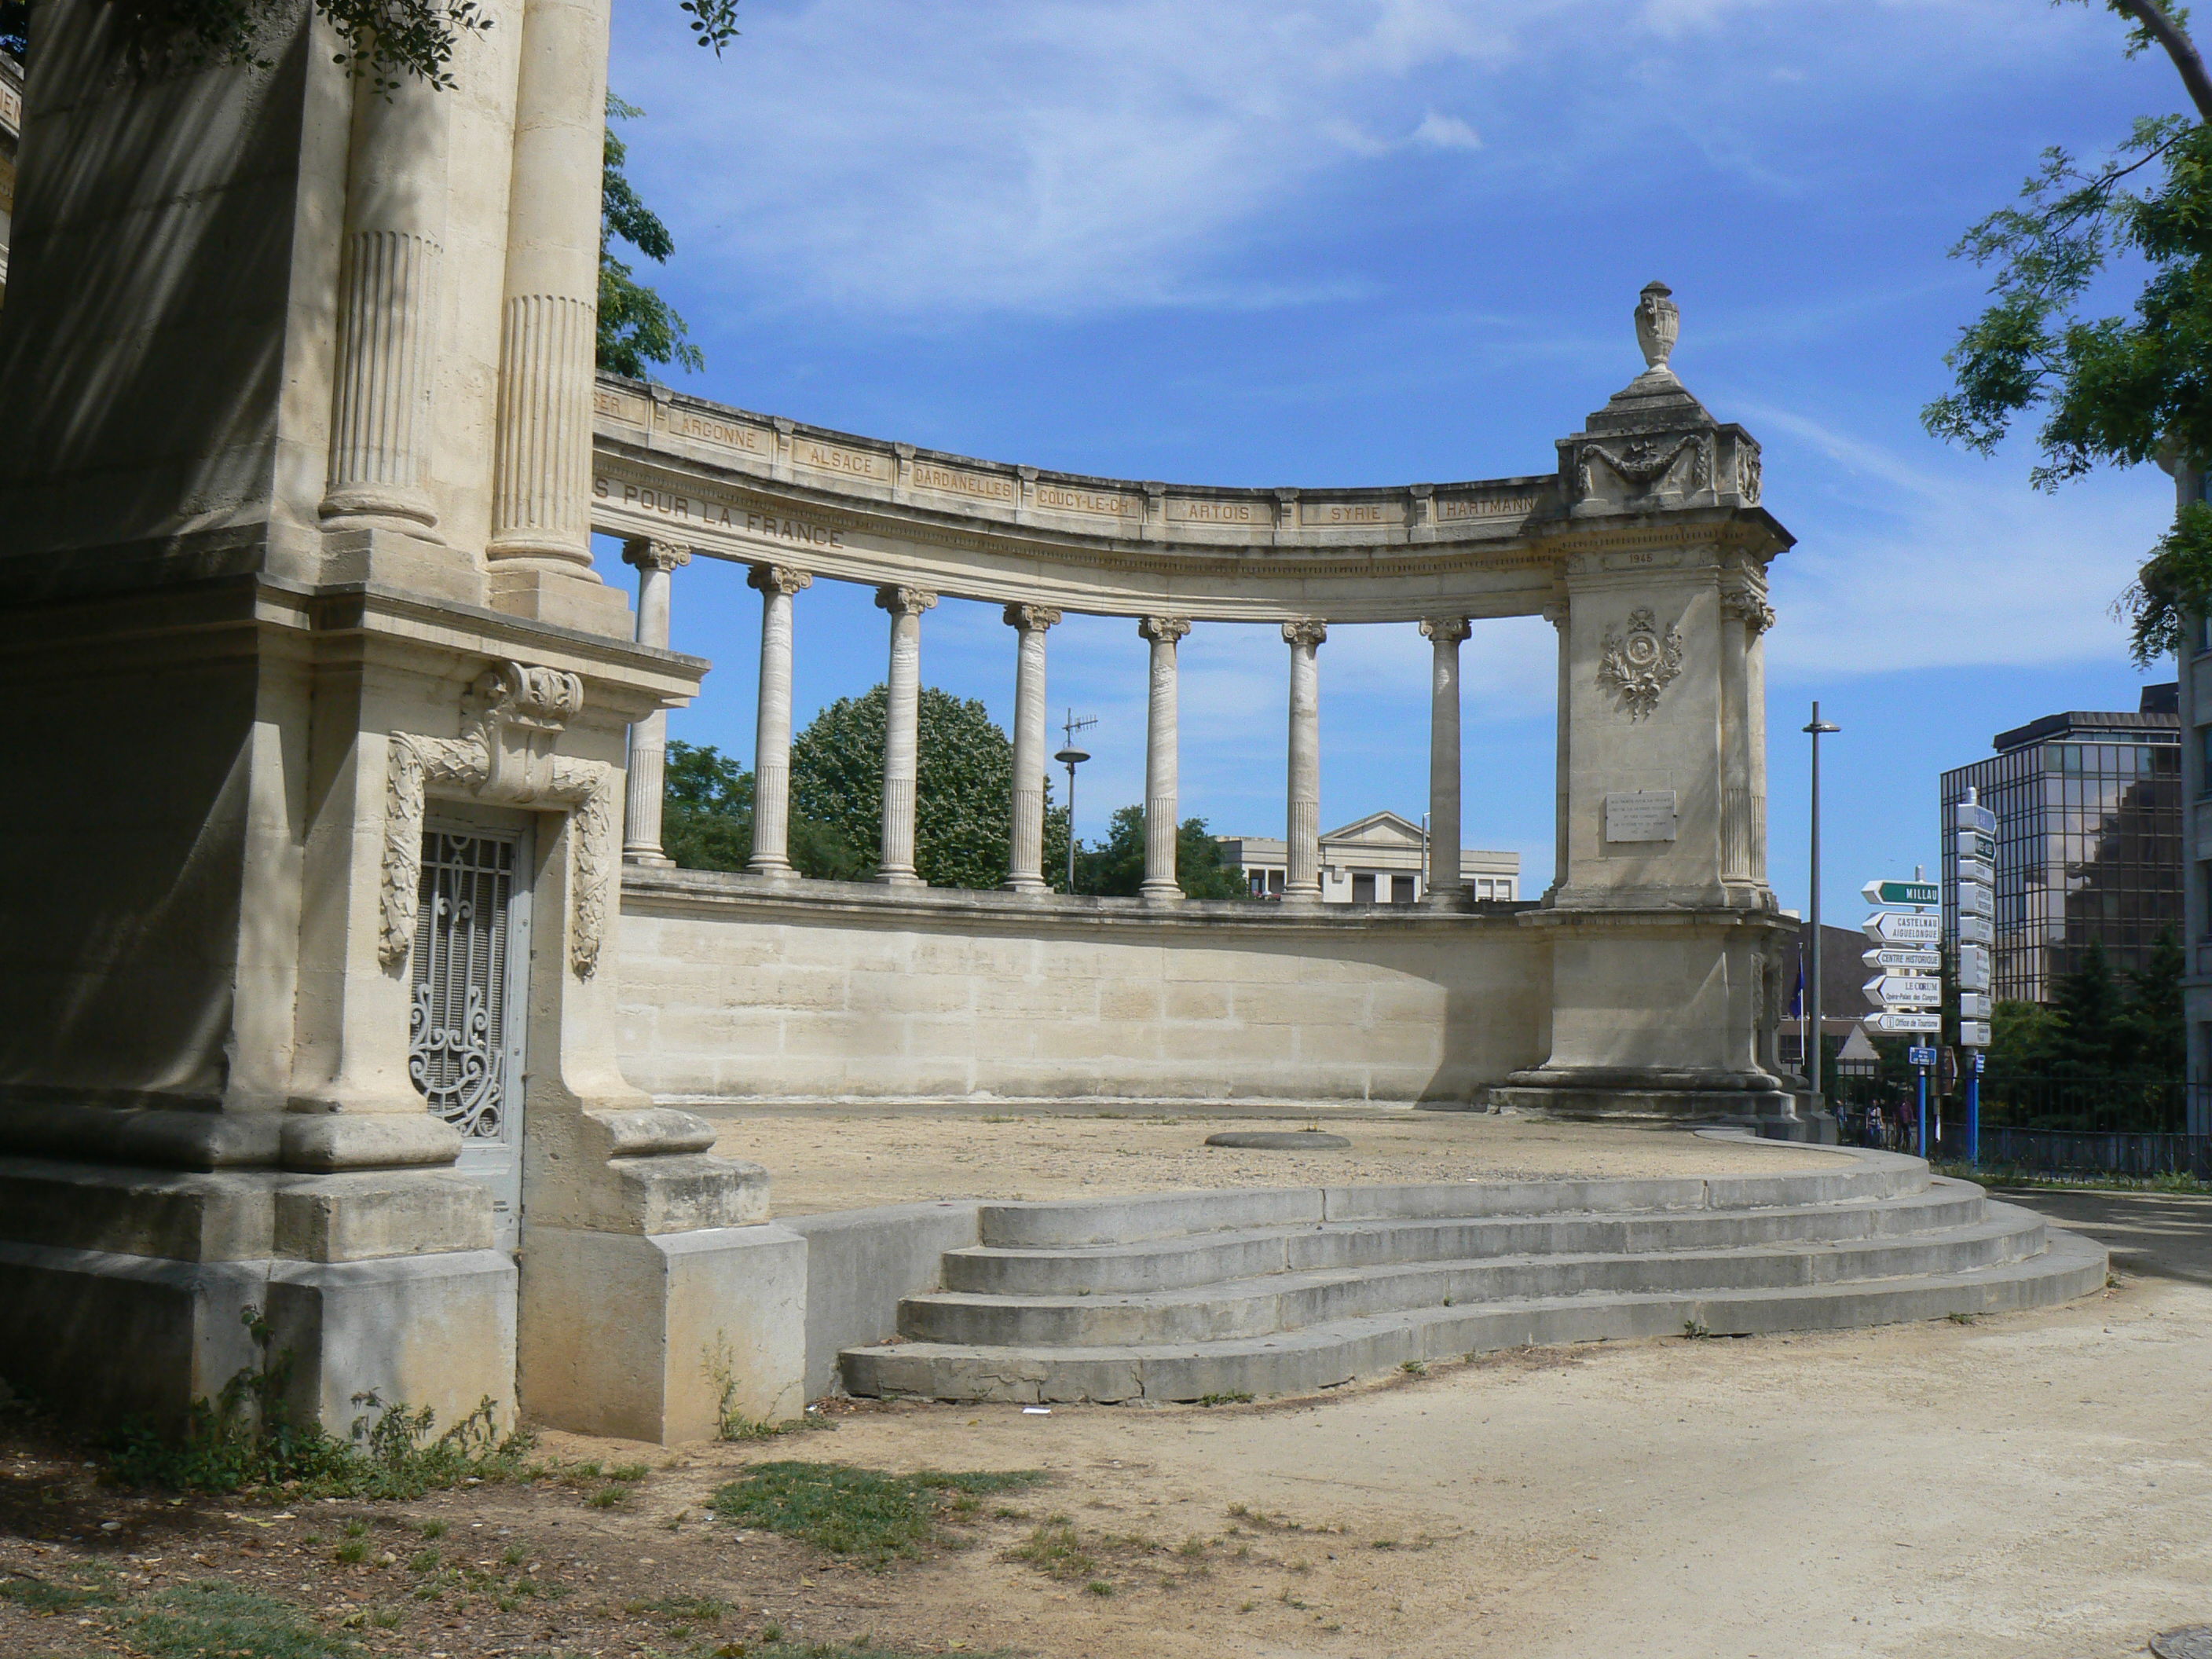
[{"x": 1646, "y": 547}]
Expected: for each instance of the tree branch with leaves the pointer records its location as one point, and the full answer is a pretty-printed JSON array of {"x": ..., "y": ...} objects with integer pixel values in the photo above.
[{"x": 2112, "y": 391}]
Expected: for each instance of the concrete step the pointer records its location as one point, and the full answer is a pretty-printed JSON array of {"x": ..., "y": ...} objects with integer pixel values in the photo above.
[
  {"x": 1267, "y": 1303},
  {"x": 1187, "y": 1260},
  {"x": 1061, "y": 1223},
  {"x": 1332, "y": 1352}
]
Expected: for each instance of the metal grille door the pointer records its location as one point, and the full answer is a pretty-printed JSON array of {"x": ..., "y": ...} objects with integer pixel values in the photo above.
[{"x": 465, "y": 1049}]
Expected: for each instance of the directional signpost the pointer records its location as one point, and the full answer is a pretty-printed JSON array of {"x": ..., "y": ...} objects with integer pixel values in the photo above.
[
  {"x": 1976, "y": 828},
  {"x": 1907, "y": 986}
]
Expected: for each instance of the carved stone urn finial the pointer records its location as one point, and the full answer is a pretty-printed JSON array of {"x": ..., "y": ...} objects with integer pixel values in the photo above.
[{"x": 1658, "y": 321}]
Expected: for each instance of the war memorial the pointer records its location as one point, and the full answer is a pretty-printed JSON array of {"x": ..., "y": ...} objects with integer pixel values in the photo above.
[{"x": 346, "y": 979}]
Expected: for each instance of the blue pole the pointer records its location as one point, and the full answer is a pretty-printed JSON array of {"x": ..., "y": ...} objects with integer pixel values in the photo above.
[
  {"x": 1974, "y": 1110},
  {"x": 1926, "y": 1150}
]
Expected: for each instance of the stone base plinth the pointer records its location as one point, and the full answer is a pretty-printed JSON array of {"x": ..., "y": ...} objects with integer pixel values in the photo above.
[
  {"x": 1767, "y": 1110},
  {"x": 637, "y": 1336}
]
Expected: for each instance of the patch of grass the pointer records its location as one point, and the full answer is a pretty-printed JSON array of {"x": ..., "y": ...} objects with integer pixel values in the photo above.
[
  {"x": 1962, "y": 1318},
  {"x": 867, "y": 1514},
  {"x": 514, "y": 1556},
  {"x": 356, "y": 1529},
  {"x": 692, "y": 1609},
  {"x": 1233, "y": 1399},
  {"x": 608, "y": 1497},
  {"x": 1099, "y": 1587},
  {"x": 426, "y": 1561},
  {"x": 351, "y": 1553},
  {"x": 205, "y": 1618},
  {"x": 2008, "y": 1175},
  {"x": 1414, "y": 1367},
  {"x": 47, "y": 1596},
  {"x": 629, "y": 1472},
  {"x": 1693, "y": 1329},
  {"x": 1055, "y": 1550},
  {"x": 777, "y": 1648}
]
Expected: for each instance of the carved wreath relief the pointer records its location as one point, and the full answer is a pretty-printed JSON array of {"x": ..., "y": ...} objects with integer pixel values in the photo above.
[
  {"x": 1637, "y": 666},
  {"x": 503, "y": 755}
]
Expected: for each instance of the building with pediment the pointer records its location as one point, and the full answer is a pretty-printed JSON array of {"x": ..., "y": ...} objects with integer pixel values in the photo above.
[{"x": 1381, "y": 859}]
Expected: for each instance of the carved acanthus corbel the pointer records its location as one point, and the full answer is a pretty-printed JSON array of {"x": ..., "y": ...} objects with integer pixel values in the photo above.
[{"x": 504, "y": 757}]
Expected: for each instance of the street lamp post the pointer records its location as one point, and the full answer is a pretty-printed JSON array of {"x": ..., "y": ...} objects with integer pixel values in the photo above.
[
  {"x": 1813, "y": 1006},
  {"x": 1071, "y": 758}
]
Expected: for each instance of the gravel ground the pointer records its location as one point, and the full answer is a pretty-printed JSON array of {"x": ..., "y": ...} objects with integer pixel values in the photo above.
[{"x": 844, "y": 1157}]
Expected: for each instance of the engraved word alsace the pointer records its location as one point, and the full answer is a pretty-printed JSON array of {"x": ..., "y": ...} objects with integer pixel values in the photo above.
[
  {"x": 714, "y": 516},
  {"x": 849, "y": 461},
  {"x": 928, "y": 475}
]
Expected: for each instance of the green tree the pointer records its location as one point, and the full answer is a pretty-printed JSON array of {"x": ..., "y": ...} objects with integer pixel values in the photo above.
[
  {"x": 706, "y": 809},
  {"x": 1115, "y": 868},
  {"x": 2113, "y": 389},
  {"x": 2153, "y": 1018},
  {"x": 636, "y": 325},
  {"x": 2093, "y": 1039},
  {"x": 2022, "y": 1036},
  {"x": 962, "y": 788}
]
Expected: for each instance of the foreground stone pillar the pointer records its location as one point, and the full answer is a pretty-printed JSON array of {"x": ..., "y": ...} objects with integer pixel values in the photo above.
[
  {"x": 656, "y": 563},
  {"x": 1746, "y": 616},
  {"x": 1161, "y": 761},
  {"x": 380, "y": 415},
  {"x": 1301, "y": 879},
  {"x": 772, "y": 734},
  {"x": 1444, "y": 633},
  {"x": 1026, "y": 846},
  {"x": 902, "y": 744},
  {"x": 540, "y": 553}
]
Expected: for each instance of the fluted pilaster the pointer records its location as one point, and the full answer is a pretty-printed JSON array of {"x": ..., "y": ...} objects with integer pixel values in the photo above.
[
  {"x": 1025, "y": 843},
  {"x": 772, "y": 736},
  {"x": 1301, "y": 880},
  {"x": 901, "y": 738}
]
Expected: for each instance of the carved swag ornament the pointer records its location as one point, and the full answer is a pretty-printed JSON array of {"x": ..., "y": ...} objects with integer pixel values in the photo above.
[
  {"x": 504, "y": 758},
  {"x": 1640, "y": 665}
]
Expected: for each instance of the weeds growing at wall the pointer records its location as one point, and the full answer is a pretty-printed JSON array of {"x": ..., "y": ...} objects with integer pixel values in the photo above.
[{"x": 247, "y": 1437}]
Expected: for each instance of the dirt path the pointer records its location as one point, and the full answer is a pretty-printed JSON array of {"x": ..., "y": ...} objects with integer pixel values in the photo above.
[{"x": 836, "y": 1158}]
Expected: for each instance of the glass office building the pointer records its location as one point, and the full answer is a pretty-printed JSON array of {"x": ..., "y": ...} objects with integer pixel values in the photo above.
[{"x": 2088, "y": 809}]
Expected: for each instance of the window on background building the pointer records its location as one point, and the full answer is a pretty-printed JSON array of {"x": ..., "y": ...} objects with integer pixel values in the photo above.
[
  {"x": 1363, "y": 889},
  {"x": 1401, "y": 890}
]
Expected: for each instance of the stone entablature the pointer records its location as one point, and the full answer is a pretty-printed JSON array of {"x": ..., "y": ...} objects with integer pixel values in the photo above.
[{"x": 737, "y": 485}]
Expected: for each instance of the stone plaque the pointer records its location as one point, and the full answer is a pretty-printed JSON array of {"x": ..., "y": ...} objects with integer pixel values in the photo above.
[{"x": 1639, "y": 815}]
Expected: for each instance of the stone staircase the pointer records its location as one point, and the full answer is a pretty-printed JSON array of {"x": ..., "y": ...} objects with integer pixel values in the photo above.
[{"x": 1184, "y": 1295}]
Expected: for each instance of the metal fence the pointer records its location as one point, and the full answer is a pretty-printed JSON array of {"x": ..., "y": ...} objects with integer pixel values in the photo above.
[{"x": 2057, "y": 1152}]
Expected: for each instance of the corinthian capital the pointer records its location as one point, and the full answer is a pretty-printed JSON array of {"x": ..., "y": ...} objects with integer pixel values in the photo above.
[
  {"x": 1031, "y": 618},
  {"x": 648, "y": 554},
  {"x": 1307, "y": 631},
  {"x": 779, "y": 579},
  {"x": 1166, "y": 629},
  {"x": 1743, "y": 603},
  {"x": 1446, "y": 631},
  {"x": 904, "y": 601}
]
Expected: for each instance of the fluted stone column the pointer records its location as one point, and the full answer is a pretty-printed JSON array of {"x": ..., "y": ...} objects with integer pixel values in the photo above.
[
  {"x": 394, "y": 250},
  {"x": 1745, "y": 616},
  {"x": 1302, "y": 881},
  {"x": 542, "y": 488},
  {"x": 1161, "y": 763},
  {"x": 1444, "y": 633},
  {"x": 656, "y": 563},
  {"x": 772, "y": 732},
  {"x": 901, "y": 747},
  {"x": 1556, "y": 613},
  {"x": 1025, "y": 843}
]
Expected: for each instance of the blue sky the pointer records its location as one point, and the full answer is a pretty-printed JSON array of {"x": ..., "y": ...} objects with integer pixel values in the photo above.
[{"x": 1376, "y": 241}]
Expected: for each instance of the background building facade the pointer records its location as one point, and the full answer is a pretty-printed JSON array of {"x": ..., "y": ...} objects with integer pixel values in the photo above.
[
  {"x": 1378, "y": 860},
  {"x": 2089, "y": 836}
]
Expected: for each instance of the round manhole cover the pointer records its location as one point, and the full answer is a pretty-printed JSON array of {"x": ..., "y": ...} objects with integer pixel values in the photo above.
[
  {"x": 2190, "y": 1642},
  {"x": 1286, "y": 1141}
]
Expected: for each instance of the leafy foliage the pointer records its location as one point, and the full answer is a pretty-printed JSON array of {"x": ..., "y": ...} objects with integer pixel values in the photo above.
[
  {"x": 207, "y": 1617},
  {"x": 247, "y": 1437},
  {"x": 2100, "y": 1025},
  {"x": 866, "y": 1514},
  {"x": 381, "y": 41},
  {"x": 962, "y": 789},
  {"x": 2113, "y": 389},
  {"x": 636, "y": 325},
  {"x": 706, "y": 820},
  {"x": 1116, "y": 869}
]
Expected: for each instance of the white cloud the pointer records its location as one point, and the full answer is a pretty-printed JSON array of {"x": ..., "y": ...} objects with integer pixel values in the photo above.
[
  {"x": 1446, "y": 132},
  {"x": 1960, "y": 564}
]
